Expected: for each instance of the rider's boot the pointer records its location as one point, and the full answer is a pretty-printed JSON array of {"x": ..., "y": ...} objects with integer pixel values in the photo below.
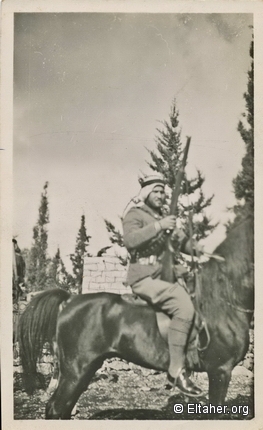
[{"x": 177, "y": 375}]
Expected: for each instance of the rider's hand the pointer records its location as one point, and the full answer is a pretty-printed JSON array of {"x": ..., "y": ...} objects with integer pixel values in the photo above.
[
  {"x": 168, "y": 223},
  {"x": 198, "y": 248},
  {"x": 178, "y": 235}
]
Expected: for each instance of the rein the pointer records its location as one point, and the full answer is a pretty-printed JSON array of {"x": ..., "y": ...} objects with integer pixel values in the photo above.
[
  {"x": 238, "y": 308},
  {"x": 197, "y": 289}
]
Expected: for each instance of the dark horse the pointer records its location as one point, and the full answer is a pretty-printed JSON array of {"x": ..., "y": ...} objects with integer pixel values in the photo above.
[{"x": 89, "y": 328}]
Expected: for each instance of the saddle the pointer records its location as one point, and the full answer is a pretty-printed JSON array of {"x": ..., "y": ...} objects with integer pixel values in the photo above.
[
  {"x": 163, "y": 320},
  {"x": 199, "y": 337}
]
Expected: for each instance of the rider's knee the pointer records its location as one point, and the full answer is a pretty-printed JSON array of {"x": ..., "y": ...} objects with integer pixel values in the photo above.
[{"x": 185, "y": 309}]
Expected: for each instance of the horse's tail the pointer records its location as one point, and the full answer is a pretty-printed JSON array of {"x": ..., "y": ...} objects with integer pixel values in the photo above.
[{"x": 37, "y": 325}]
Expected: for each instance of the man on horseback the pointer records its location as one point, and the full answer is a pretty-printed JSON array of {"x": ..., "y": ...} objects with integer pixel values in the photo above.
[{"x": 145, "y": 228}]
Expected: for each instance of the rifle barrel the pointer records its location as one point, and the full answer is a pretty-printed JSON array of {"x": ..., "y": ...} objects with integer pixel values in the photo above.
[
  {"x": 168, "y": 258},
  {"x": 177, "y": 188}
]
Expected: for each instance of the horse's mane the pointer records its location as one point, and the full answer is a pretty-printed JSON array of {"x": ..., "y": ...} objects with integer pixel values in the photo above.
[{"x": 230, "y": 282}]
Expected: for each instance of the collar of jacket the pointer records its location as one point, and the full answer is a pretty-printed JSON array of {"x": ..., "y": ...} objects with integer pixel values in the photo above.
[{"x": 147, "y": 209}]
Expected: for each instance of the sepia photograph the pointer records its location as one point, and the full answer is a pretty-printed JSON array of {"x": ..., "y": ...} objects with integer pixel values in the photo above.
[{"x": 131, "y": 245}]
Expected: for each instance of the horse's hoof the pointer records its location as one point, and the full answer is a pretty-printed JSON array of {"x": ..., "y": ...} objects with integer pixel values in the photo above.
[{"x": 74, "y": 411}]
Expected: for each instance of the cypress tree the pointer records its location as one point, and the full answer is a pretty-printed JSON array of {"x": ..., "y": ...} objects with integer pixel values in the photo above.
[
  {"x": 77, "y": 258},
  {"x": 58, "y": 275},
  {"x": 243, "y": 183},
  {"x": 38, "y": 261},
  {"x": 53, "y": 281}
]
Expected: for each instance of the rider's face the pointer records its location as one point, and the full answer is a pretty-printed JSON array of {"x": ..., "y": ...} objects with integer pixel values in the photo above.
[{"x": 156, "y": 198}]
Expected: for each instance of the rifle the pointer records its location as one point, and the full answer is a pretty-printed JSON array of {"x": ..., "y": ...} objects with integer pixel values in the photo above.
[{"x": 167, "y": 273}]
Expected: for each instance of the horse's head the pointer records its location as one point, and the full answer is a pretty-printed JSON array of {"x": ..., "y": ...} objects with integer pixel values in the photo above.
[
  {"x": 238, "y": 251},
  {"x": 231, "y": 283}
]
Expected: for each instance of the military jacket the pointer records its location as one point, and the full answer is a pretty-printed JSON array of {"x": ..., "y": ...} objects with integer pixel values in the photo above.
[{"x": 142, "y": 240}]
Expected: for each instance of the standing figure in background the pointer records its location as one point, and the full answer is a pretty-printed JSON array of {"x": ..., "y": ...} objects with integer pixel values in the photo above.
[{"x": 19, "y": 269}]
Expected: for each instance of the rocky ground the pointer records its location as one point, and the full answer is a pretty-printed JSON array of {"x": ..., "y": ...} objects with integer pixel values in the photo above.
[{"x": 122, "y": 391}]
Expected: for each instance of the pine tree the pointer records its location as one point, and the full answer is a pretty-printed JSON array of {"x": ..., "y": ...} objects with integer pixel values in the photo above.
[
  {"x": 167, "y": 161},
  {"x": 116, "y": 238},
  {"x": 77, "y": 258},
  {"x": 243, "y": 183},
  {"x": 38, "y": 261},
  {"x": 66, "y": 280},
  {"x": 115, "y": 234}
]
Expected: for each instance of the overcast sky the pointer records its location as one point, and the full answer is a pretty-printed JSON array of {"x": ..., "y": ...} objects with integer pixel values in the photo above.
[{"x": 89, "y": 92}]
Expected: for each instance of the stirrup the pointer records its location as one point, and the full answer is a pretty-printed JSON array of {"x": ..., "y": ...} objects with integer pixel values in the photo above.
[{"x": 171, "y": 380}]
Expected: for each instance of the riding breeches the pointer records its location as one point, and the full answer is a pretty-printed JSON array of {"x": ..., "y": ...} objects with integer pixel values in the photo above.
[
  {"x": 170, "y": 298},
  {"x": 175, "y": 302}
]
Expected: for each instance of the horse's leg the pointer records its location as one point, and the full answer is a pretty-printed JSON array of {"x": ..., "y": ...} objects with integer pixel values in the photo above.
[
  {"x": 58, "y": 406},
  {"x": 63, "y": 400},
  {"x": 69, "y": 389},
  {"x": 53, "y": 384},
  {"x": 218, "y": 385}
]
